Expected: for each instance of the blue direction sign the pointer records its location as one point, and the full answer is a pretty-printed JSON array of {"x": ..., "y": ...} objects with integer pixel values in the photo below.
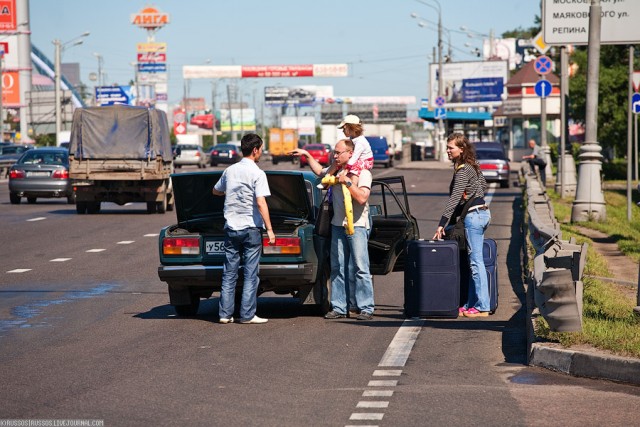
[
  {"x": 543, "y": 88},
  {"x": 440, "y": 113},
  {"x": 543, "y": 65},
  {"x": 635, "y": 103},
  {"x": 440, "y": 101}
]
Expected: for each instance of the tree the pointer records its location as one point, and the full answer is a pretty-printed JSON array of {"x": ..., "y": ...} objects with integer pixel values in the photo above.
[{"x": 612, "y": 95}]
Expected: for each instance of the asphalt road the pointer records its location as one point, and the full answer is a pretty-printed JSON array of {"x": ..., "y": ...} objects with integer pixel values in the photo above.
[{"x": 86, "y": 332}]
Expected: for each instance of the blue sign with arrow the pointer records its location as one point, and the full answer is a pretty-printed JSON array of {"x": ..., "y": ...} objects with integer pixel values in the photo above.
[
  {"x": 635, "y": 103},
  {"x": 440, "y": 113},
  {"x": 543, "y": 88}
]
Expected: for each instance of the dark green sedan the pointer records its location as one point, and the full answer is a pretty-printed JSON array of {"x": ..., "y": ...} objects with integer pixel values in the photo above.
[{"x": 191, "y": 251}]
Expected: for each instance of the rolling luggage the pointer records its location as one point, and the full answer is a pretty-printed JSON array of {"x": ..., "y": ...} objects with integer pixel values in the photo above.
[
  {"x": 432, "y": 279},
  {"x": 490, "y": 255}
]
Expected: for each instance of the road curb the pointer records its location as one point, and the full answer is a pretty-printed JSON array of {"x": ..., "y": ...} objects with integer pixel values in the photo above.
[{"x": 584, "y": 364}]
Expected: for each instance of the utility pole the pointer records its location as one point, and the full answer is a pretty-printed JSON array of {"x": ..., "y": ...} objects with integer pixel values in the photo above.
[
  {"x": 1, "y": 106},
  {"x": 58, "y": 103},
  {"x": 589, "y": 202}
]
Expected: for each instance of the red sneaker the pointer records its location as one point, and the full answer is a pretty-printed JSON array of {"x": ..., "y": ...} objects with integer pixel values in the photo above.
[{"x": 472, "y": 312}]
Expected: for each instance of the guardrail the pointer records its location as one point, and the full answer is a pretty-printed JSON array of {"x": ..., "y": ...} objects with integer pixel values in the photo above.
[
  {"x": 5, "y": 165},
  {"x": 558, "y": 265}
]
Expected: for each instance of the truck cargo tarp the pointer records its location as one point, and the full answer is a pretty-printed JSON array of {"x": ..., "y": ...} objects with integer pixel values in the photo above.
[{"x": 120, "y": 132}]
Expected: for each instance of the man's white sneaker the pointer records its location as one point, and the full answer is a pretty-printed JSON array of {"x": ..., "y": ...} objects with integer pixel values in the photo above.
[
  {"x": 225, "y": 320},
  {"x": 255, "y": 320}
]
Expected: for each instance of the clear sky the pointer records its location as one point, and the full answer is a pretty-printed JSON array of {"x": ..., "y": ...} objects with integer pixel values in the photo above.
[{"x": 385, "y": 48}]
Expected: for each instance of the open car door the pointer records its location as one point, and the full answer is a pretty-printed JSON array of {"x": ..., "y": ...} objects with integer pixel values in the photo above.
[{"x": 393, "y": 225}]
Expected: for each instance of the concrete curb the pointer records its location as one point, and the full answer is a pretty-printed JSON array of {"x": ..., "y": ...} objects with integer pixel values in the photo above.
[{"x": 585, "y": 364}]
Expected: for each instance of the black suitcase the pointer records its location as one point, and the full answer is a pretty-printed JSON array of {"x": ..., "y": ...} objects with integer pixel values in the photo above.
[
  {"x": 432, "y": 279},
  {"x": 490, "y": 256}
]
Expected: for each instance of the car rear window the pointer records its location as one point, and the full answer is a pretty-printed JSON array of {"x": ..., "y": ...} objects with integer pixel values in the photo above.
[
  {"x": 36, "y": 157},
  {"x": 490, "y": 155},
  {"x": 188, "y": 147}
]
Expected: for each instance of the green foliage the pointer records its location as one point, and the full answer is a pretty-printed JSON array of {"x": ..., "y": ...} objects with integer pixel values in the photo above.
[
  {"x": 616, "y": 169},
  {"x": 612, "y": 95},
  {"x": 45, "y": 140}
]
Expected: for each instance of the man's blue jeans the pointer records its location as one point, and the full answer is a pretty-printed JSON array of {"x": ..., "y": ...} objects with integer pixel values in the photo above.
[
  {"x": 350, "y": 270},
  {"x": 475, "y": 224},
  {"x": 248, "y": 243}
]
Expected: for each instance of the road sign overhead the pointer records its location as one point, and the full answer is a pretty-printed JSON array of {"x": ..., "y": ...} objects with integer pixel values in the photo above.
[
  {"x": 567, "y": 22},
  {"x": 543, "y": 65}
]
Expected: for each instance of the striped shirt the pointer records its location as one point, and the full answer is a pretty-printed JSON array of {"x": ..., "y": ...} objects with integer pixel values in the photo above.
[{"x": 466, "y": 183}]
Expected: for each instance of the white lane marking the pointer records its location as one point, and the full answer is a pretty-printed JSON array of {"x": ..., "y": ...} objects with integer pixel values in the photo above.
[
  {"x": 372, "y": 404},
  {"x": 152, "y": 235},
  {"x": 40, "y": 218},
  {"x": 126, "y": 242},
  {"x": 95, "y": 250},
  {"x": 377, "y": 393},
  {"x": 382, "y": 383},
  {"x": 401, "y": 345},
  {"x": 59, "y": 259},
  {"x": 19, "y": 270},
  {"x": 387, "y": 372},
  {"x": 365, "y": 416}
]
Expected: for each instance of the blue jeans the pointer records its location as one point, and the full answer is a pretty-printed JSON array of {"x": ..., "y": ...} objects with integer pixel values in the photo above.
[
  {"x": 248, "y": 243},
  {"x": 475, "y": 224},
  {"x": 350, "y": 270}
]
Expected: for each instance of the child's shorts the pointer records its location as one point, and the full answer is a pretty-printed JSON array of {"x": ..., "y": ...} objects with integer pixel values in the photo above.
[{"x": 359, "y": 165}]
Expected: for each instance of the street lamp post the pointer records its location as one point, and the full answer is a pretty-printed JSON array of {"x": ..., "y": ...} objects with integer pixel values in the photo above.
[
  {"x": 441, "y": 131},
  {"x": 59, "y": 48}
]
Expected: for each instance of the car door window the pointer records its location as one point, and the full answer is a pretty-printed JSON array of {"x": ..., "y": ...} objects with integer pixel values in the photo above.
[{"x": 392, "y": 225}]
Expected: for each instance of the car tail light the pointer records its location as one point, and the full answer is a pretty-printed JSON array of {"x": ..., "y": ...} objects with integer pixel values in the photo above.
[
  {"x": 60, "y": 174},
  {"x": 215, "y": 153},
  {"x": 487, "y": 166},
  {"x": 16, "y": 174},
  {"x": 233, "y": 152},
  {"x": 197, "y": 154},
  {"x": 181, "y": 246},
  {"x": 386, "y": 152},
  {"x": 283, "y": 245}
]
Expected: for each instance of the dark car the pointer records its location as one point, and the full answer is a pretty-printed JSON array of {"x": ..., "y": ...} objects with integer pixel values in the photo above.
[
  {"x": 191, "y": 251},
  {"x": 381, "y": 153},
  {"x": 320, "y": 152},
  {"x": 494, "y": 163},
  {"x": 42, "y": 172},
  {"x": 224, "y": 153}
]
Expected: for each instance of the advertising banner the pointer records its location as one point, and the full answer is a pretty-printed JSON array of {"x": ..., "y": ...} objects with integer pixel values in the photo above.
[
  {"x": 8, "y": 15},
  {"x": 152, "y": 47},
  {"x": 152, "y": 68},
  {"x": 470, "y": 84},
  {"x": 10, "y": 89},
  {"x": 253, "y": 71},
  {"x": 279, "y": 96},
  {"x": 152, "y": 57},
  {"x": 9, "y": 45},
  {"x": 244, "y": 119}
]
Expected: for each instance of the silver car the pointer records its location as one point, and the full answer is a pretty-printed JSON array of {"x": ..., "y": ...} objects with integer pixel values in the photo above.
[
  {"x": 190, "y": 155},
  {"x": 41, "y": 172}
]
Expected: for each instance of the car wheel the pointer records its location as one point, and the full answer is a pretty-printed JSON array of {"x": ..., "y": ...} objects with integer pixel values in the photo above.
[
  {"x": 14, "y": 198},
  {"x": 322, "y": 290},
  {"x": 71, "y": 199},
  {"x": 81, "y": 208},
  {"x": 31, "y": 200},
  {"x": 214, "y": 164},
  {"x": 161, "y": 206},
  {"x": 151, "y": 207},
  {"x": 93, "y": 208},
  {"x": 188, "y": 310},
  {"x": 274, "y": 161}
]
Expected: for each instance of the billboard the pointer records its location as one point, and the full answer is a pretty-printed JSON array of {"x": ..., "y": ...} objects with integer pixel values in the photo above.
[
  {"x": 252, "y": 71},
  {"x": 469, "y": 84},
  {"x": 10, "y": 89},
  {"x": 244, "y": 119},
  {"x": 8, "y": 15},
  {"x": 306, "y": 125},
  {"x": 112, "y": 95}
]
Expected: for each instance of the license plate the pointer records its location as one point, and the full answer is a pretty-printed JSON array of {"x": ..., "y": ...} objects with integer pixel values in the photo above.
[
  {"x": 214, "y": 248},
  {"x": 490, "y": 173},
  {"x": 37, "y": 173}
]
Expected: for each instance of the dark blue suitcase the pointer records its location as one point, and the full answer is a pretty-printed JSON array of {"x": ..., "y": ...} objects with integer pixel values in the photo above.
[
  {"x": 432, "y": 279},
  {"x": 490, "y": 256}
]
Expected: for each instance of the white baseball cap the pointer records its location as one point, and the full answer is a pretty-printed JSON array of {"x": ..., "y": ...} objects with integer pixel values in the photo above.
[{"x": 351, "y": 119}]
